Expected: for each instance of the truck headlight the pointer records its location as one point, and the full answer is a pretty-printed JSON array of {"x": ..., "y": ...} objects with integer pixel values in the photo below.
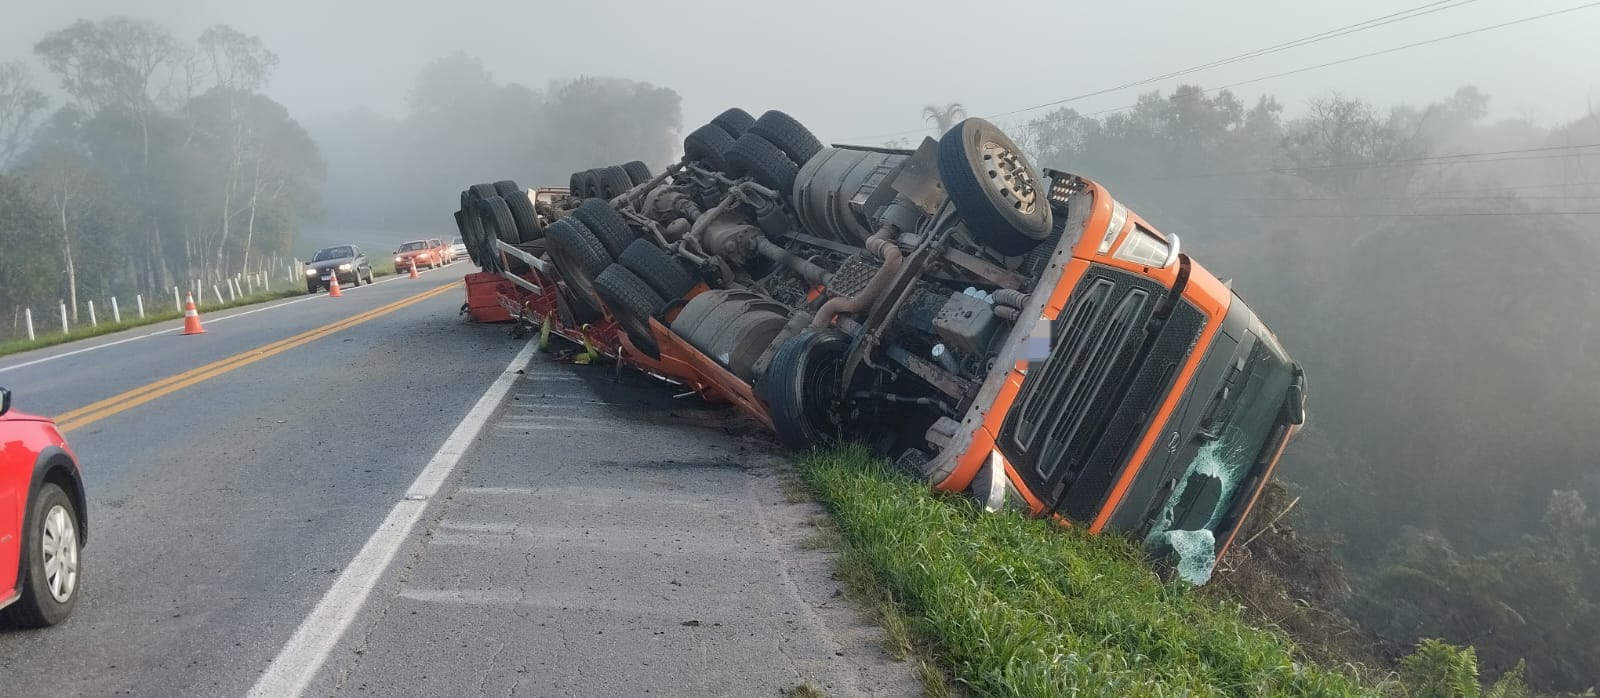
[
  {"x": 311, "y": 272},
  {"x": 1143, "y": 247},
  {"x": 1119, "y": 219},
  {"x": 344, "y": 267}
]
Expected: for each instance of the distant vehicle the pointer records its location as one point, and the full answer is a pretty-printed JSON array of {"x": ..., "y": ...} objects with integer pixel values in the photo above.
[
  {"x": 348, "y": 261},
  {"x": 43, "y": 521},
  {"x": 442, "y": 249},
  {"x": 419, "y": 252},
  {"x": 458, "y": 249}
]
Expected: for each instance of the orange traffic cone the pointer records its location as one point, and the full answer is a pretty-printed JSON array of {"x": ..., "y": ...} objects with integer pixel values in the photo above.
[
  {"x": 413, "y": 267},
  {"x": 333, "y": 284},
  {"x": 191, "y": 318}
]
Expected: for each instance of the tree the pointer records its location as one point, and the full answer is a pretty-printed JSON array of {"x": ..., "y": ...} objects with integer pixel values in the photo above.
[
  {"x": 20, "y": 104},
  {"x": 29, "y": 277},
  {"x": 944, "y": 117}
]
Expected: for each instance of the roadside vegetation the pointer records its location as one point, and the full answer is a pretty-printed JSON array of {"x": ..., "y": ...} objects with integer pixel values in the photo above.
[
  {"x": 1010, "y": 606},
  {"x": 87, "y": 331}
]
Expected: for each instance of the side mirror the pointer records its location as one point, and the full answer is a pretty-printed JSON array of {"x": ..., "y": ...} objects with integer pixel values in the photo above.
[
  {"x": 1296, "y": 400},
  {"x": 5, "y": 401}
]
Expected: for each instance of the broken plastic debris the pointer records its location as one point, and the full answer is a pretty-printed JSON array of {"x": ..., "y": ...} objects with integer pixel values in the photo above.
[{"x": 1196, "y": 554}]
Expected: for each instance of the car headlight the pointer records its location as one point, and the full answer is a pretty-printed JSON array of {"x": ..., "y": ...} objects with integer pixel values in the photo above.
[
  {"x": 398, "y": 260},
  {"x": 344, "y": 267},
  {"x": 311, "y": 272},
  {"x": 1143, "y": 247}
]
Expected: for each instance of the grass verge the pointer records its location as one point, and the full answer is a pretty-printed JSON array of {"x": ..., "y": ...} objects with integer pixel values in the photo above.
[
  {"x": 86, "y": 331},
  {"x": 1011, "y": 606}
]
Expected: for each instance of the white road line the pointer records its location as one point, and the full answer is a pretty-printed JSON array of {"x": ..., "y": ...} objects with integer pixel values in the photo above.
[
  {"x": 208, "y": 321},
  {"x": 520, "y": 491},
  {"x": 303, "y": 656},
  {"x": 549, "y": 427}
]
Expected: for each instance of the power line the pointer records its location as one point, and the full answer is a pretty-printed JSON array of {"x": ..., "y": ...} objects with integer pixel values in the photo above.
[
  {"x": 1411, "y": 13},
  {"x": 1303, "y": 41},
  {"x": 1452, "y": 159}
]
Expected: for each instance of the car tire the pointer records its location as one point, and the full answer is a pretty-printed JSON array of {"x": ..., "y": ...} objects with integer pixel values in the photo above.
[
  {"x": 355, "y": 279},
  {"x": 579, "y": 257},
  {"x": 735, "y": 121},
  {"x": 801, "y": 389},
  {"x": 762, "y": 160},
  {"x": 708, "y": 145},
  {"x": 637, "y": 171},
  {"x": 311, "y": 288},
  {"x": 632, "y": 302},
  {"x": 52, "y": 570},
  {"x": 994, "y": 187},
  {"x": 789, "y": 135},
  {"x": 657, "y": 268},
  {"x": 527, "y": 222},
  {"x": 606, "y": 225}
]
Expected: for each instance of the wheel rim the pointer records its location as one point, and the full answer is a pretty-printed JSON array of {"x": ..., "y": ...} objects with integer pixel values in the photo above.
[
  {"x": 59, "y": 544},
  {"x": 1010, "y": 176},
  {"x": 822, "y": 394}
]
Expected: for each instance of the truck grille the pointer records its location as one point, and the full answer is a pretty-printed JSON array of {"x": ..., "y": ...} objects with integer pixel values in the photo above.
[{"x": 1068, "y": 429}]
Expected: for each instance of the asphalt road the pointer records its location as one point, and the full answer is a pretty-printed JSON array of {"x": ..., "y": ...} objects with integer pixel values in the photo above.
[{"x": 589, "y": 536}]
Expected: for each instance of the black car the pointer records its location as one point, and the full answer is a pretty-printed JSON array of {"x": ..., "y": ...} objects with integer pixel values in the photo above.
[{"x": 348, "y": 261}]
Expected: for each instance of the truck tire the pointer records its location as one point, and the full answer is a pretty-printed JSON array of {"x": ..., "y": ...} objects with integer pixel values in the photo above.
[
  {"x": 466, "y": 237},
  {"x": 994, "y": 187},
  {"x": 735, "y": 121},
  {"x": 638, "y": 172},
  {"x": 579, "y": 257},
  {"x": 505, "y": 188},
  {"x": 801, "y": 388},
  {"x": 657, "y": 268},
  {"x": 709, "y": 145},
  {"x": 479, "y": 192},
  {"x": 528, "y": 226},
  {"x": 606, "y": 225},
  {"x": 631, "y": 302},
  {"x": 497, "y": 220},
  {"x": 614, "y": 182},
  {"x": 576, "y": 184},
  {"x": 764, "y": 161},
  {"x": 784, "y": 131}
]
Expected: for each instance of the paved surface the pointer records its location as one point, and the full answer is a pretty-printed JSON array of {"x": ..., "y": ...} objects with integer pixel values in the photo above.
[
  {"x": 589, "y": 543},
  {"x": 606, "y": 540}
]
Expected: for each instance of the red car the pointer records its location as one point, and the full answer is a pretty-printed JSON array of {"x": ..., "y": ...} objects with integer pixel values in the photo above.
[
  {"x": 43, "y": 521},
  {"x": 422, "y": 252}
]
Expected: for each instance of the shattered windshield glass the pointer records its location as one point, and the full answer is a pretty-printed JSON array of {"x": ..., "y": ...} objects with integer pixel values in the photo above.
[{"x": 1242, "y": 416}]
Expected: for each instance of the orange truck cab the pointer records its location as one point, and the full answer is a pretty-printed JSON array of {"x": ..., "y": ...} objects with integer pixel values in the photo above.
[{"x": 1146, "y": 397}]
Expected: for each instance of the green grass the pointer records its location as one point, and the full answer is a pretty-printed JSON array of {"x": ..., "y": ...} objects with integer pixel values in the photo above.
[
  {"x": 1010, "y": 606},
  {"x": 85, "y": 330}
]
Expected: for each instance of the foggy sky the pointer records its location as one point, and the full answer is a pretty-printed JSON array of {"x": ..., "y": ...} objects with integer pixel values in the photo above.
[{"x": 857, "y": 69}]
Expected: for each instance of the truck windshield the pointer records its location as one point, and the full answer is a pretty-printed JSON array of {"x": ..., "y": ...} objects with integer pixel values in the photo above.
[{"x": 1244, "y": 414}]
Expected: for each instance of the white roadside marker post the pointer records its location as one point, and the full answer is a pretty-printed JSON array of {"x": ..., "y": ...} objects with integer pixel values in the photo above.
[
  {"x": 64, "y": 329},
  {"x": 139, "y": 298},
  {"x": 116, "y": 312},
  {"x": 217, "y": 291},
  {"x": 92, "y": 322},
  {"x": 27, "y": 317}
]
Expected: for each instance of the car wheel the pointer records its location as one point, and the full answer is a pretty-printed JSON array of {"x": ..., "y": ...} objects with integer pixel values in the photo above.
[
  {"x": 51, "y": 568},
  {"x": 311, "y": 288},
  {"x": 994, "y": 187}
]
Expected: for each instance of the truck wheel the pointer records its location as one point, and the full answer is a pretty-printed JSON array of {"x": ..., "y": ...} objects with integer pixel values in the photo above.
[
  {"x": 657, "y": 268},
  {"x": 579, "y": 257},
  {"x": 51, "y": 568},
  {"x": 466, "y": 236},
  {"x": 638, "y": 172},
  {"x": 497, "y": 220},
  {"x": 793, "y": 139},
  {"x": 801, "y": 388},
  {"x": 993, "y": 187},
  {"x": 708, "y": 144},
  {"x": 480, "y": 192},
  {"x": 527, "y": 222},
  {"x": 614, "y": 182},
  {"x": 631, "y": 302},
  {"x": 606, "y": 225},
  {"x": 761, "y": 159},
  {"x": 576, "y": 184},
  {"x": 505, "y": 188},
  {"x": 735, "y": 121}
]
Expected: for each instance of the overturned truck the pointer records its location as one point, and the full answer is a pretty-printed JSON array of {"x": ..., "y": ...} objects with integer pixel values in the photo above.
[{"x": 1013, "y": 334}]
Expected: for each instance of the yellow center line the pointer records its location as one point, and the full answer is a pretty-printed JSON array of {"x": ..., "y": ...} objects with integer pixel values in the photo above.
[{"x": 89, "y": 414}]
